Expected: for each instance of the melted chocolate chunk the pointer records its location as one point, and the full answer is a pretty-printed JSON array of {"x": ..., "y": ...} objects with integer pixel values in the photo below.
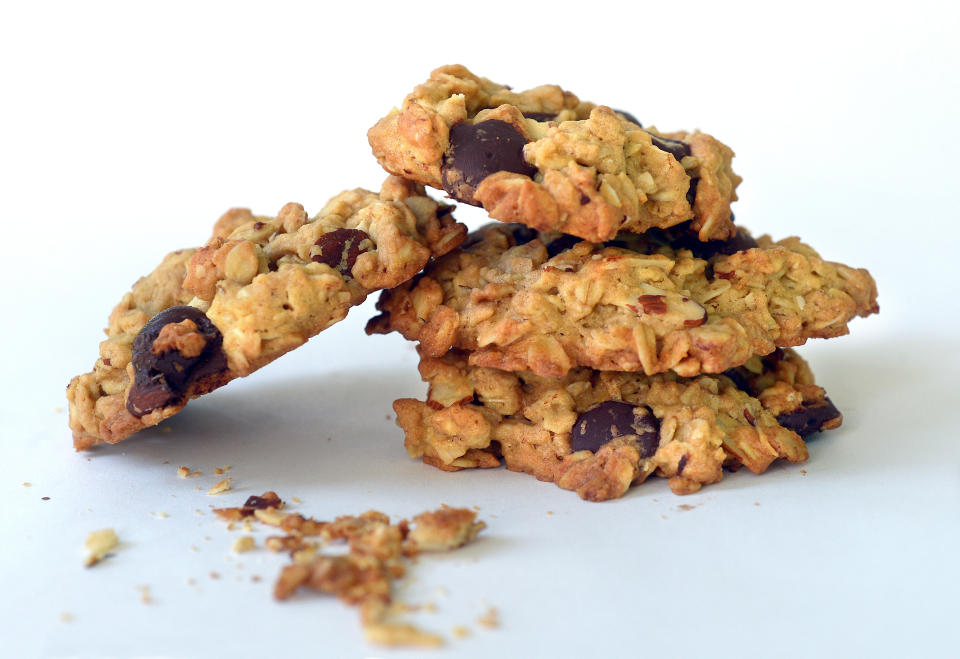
[
  {"x": 340, "y": 248},
  {"x": 675, "y": 148},
  {"x": 268, "y": 500},
  {"x": 521, "y": 233},
  {"x": 629, "y": 117},
  {"x": 561, "y": 244},
  {"x": 692, "y": 191},
  {"x": 740, "y": 241},
  {"x": 478, "y": 150},
  {"x": 540, "y": 116},
  {"x": 613, "y": 419},
  {"x": 163, "y": 379},
  {"x": 809, "y": 419}
]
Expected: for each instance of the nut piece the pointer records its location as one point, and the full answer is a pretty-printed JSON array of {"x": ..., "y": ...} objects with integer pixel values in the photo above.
[
  {"x": 98, "y": 544},
  {"x": 243, "y": 543}
]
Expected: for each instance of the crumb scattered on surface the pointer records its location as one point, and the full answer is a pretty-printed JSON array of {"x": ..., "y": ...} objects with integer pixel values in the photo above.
[
  {"x": 685, "y": 507},
  {"x": 58, "y": 410},
  {"x": 242, "y": 544},
  {"x": 27, "y": 484},
  {"x": 198, "y": 511},
  {"x": 44, "y": 498},
  {"x": 460, "y": 631},
  {"x": 214, "y": 575},
  {"x": 191, "y": 581},
  {"x": 98, "y": 544},
  {"x": 66, "y": 616},
  {"x": 221, "y": 487},
  {"x": 194, "y": 548},
  {"x": 218, "y": 471},
  {"x": 490, "y": 618},
  {"x": 429, "y": 607},
  {"x": 549, "y": 512},
  {"x": 256, "y": 578},
  {"x": 166, "y": 429},
  {"x": 756, "y": 503},
  {"x": 184, "y": 472},
  {"x": 296, "y": 500},
  {"x": 803, "y": 472},
  {"x": 145, "y": 597},
  {"x": 161, "y": 515}
]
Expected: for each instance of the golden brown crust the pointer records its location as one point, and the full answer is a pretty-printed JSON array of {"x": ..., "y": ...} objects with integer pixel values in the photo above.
[
  {"x": 264, "y": 284},
  {"x": 473, "y": 416},
  {"x": 640, "y": 306},
  {"x": 597, "y": 172}
]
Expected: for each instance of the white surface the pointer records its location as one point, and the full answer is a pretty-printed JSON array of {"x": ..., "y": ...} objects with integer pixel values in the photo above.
[{"x": 124, "y": 132}]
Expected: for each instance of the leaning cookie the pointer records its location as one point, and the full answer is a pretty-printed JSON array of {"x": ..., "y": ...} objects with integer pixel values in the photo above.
[
  {"x": 598, "y": 432},
  {"x": 260, "y": 287},
  {"x": 518, "y": 300},
  {"x": 544, "y": 158}
]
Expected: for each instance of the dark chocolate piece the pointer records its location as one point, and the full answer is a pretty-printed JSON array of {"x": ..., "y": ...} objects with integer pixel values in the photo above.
[
  {"x": 629, "y": 117},
  {"x": 809, "y": 419},
  {"x": 478, "y": 150},
  {"x": 561, "y": 244},
  {"x": 675, "y": 148},
  {"x": 162, "y": 378},
  {"x": 340, "y": 248},
  {"x": 613, "y": 419}
]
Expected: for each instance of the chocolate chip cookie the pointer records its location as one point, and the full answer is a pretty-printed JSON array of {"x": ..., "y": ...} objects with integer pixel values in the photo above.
[
  {"x": 520, "y": 300},
  {"x": 544, "y": 158},
  {"x": 599, "y": 432},
  {"x": 259, "y": 288}
]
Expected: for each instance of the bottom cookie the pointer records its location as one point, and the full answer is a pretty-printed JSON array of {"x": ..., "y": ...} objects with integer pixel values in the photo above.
[{"x": 600, "y": 432}]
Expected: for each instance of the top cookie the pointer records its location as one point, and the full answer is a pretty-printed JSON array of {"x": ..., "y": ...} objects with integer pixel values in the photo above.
[
  {"x": 546, "y": 159},
  {"x": 260, "y": 287},
  {"x": 656, "y": 302}
]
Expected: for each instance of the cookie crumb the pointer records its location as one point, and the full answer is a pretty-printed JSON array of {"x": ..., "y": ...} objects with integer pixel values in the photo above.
[
  {"x": 161, "y": 515},
  {"x": 44, "y": 498},
  {"x": 214, "y": 575},
  {"x": 296, "y": 500},
  {"x": 221, "y": 487},
  {"x": 183, "y": 472},
  {"x": 460, "y": 631},
  {"x": 549, "y": 512},
  {"x": 66, "y": 616},
  {"x": 429, "y": 607},
  {"x": 191, "y": 581},
  {"x": 803, "y": 472},
  {"x": 256, "y": 578},
  {"x": 166, "y": 429},
  {"x": 58, "y": 410},
  {"x": 194, "y": 548},
  {"x": 98, "y": 545},
  {"x": 242, "y": 544},
  {"x": 490, "y": 619},
  {"x": 756, "y": 503},
  {"x": 145, "y": 597},
  {"x": 218, "y": 471},
  {"x": 685, "y": 507},
  {"x": 27, "y": 484}
]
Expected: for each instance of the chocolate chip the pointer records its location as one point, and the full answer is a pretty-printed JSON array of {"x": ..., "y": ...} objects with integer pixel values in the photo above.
[
  {"x": 561, "y": 244},
  {"x": 740, "y": 377},
  {"x": 740, "y": 241},
  {"x": 692, "y": 190},
  {"x": 809, "y": 418},
  {"x": 675, "y": 148},
  {"x": 629, "y": 117},
  {"x": 613, "y": 419},
  {"x": 340, "y": 248},
  {"x": 163, "y": 378},
  {"x": 682, "y": 463},
  {"x": 478, "y": 150},
  {"x": 268, "y": 500},
  {"x": 521, "y": 233},
  {"x": 540, "y": 116}
]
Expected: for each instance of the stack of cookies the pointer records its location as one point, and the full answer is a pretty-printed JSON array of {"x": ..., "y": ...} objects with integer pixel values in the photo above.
[{"x": 617, "y": 325}]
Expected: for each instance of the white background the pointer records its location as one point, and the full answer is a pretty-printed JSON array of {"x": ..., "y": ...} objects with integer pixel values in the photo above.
[{"x": 126, "y": 129}]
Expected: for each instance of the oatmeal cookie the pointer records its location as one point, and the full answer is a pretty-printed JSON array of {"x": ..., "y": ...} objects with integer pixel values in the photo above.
[
  {"x": 259, "y": 288},
  {"x": 599, "y": 432},
  {"x": 519, "y": 300},
  {"x": 546, "y": 159}
]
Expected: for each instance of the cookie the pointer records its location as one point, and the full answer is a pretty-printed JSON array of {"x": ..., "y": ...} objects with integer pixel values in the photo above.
[
  {"x": 259, "y": 288},
  {"x": 544, "y": 158},
  {"x": 599, "y": 433},
  {"x": 518, "y": 300}
]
